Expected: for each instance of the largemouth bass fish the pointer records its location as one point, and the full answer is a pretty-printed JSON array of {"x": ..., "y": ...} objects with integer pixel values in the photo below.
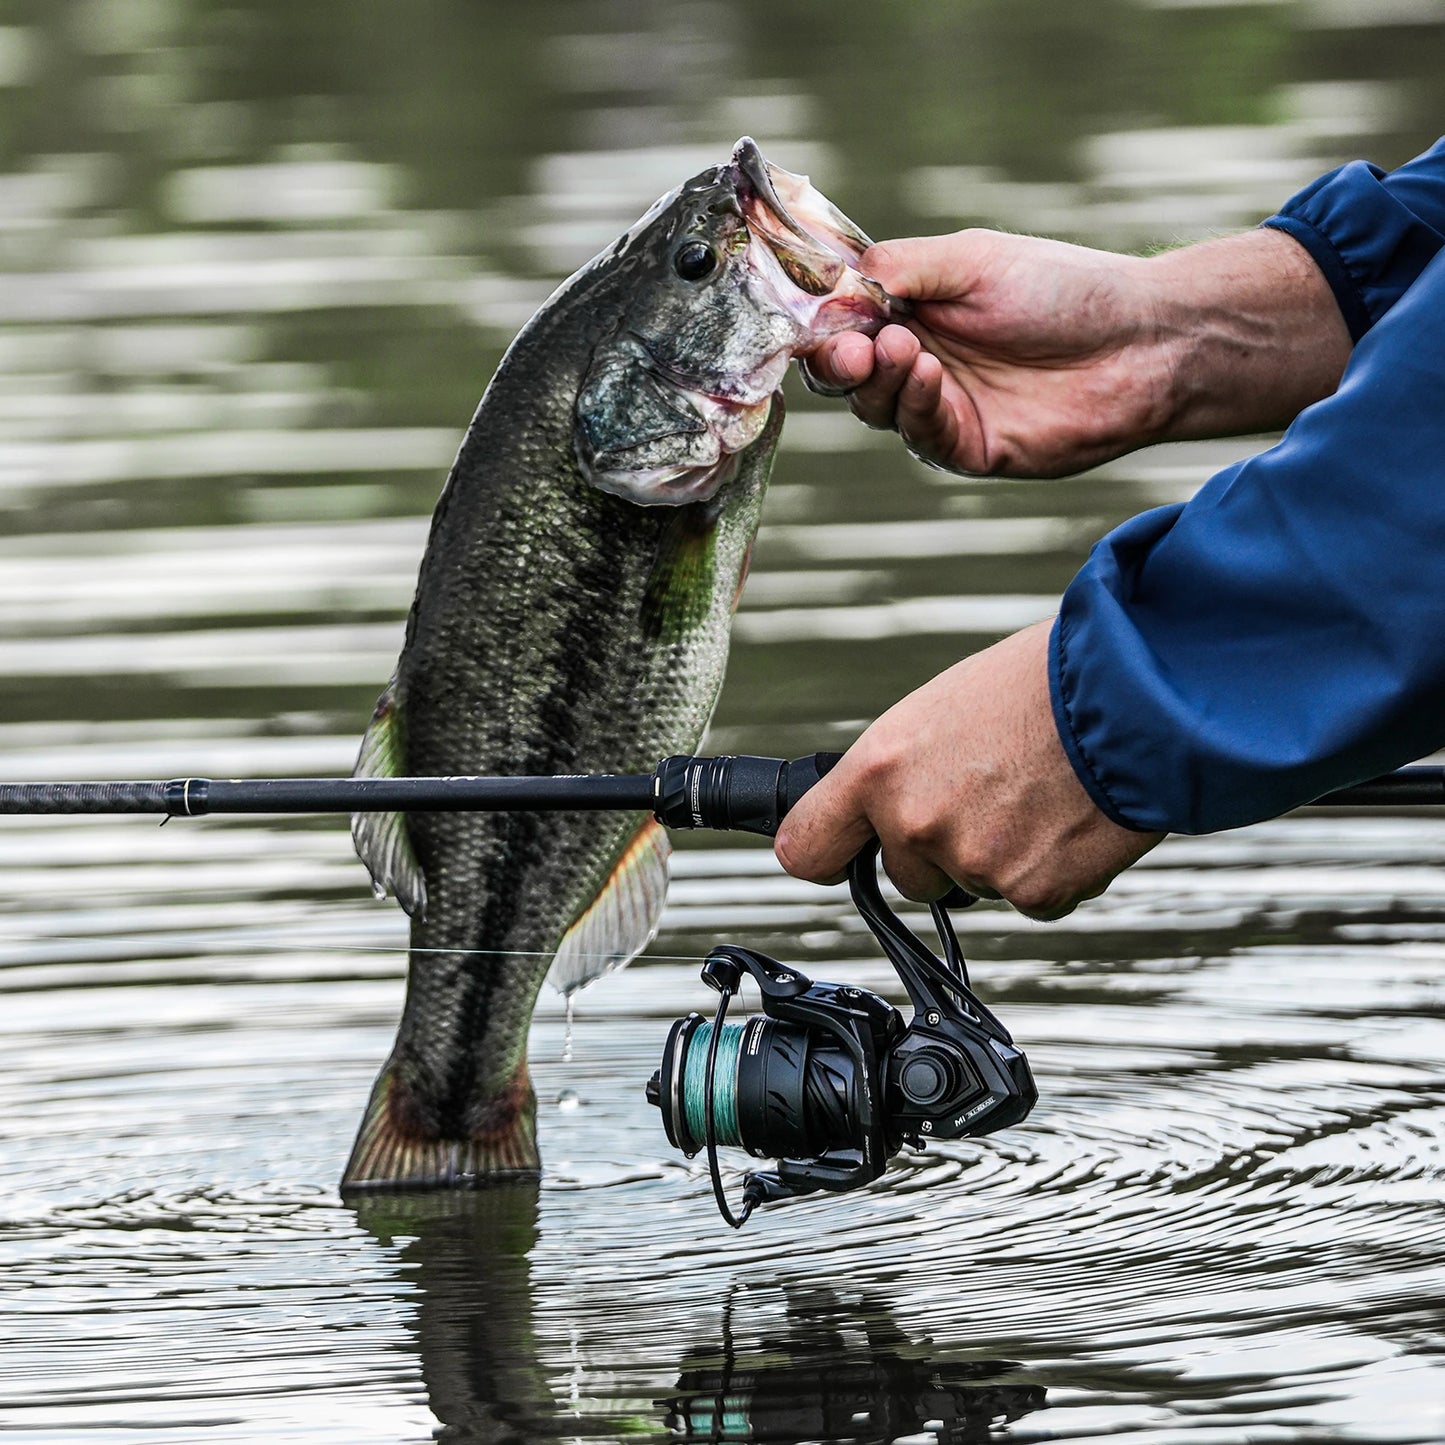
[{"x": 572, "y": 616}]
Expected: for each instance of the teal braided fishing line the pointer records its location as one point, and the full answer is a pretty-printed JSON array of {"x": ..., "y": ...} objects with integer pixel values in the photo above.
[{"x": 725, "y": 1090}]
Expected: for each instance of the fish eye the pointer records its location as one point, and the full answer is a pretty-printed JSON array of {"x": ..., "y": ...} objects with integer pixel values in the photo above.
[{"x": 694, "y": 260}]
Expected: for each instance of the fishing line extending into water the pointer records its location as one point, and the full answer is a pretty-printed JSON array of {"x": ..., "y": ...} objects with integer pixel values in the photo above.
[{"x": 175, "y": 942}]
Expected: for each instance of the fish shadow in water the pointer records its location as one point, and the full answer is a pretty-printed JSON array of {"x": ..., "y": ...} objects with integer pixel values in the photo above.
[
  {"x": 467, "y": 1252},
  {"x": 815, "y": 1366}
]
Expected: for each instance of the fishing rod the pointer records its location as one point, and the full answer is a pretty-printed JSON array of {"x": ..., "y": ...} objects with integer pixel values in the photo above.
[
  {"x": 829, "y": 1080},
  {"x": 749, "y": 794}
]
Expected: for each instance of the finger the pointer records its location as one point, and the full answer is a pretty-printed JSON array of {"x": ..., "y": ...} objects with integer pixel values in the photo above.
[
  {"x": 823, "y": 833},
  {"x": 913, "y": 875},
  {"x": 875, "y": 401},
  {"x": 1052, "y": 912},
  {"x": 928, "y": 268},
  {"x": 838, "y": 365},
  {"x": 925, "y": 421}
]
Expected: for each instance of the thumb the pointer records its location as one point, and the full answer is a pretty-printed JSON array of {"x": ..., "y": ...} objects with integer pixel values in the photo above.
[
  {"x": 927, "y": 268},
  {"x": 823, "y": 833}
]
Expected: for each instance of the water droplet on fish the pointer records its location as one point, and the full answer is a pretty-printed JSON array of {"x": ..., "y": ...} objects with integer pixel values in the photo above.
[
  {"x": 568, "y": 1100},
  {"x": 567, "y": 1037}
]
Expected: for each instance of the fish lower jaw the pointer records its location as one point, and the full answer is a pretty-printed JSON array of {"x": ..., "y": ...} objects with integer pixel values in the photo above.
[{"x": 853, "y": 302}]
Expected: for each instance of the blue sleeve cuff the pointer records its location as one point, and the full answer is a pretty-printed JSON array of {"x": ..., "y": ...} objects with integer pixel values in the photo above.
[
  {"x": 1371, "y": 233},
  {"x": 1349, "y": 295},
  {"x": 1061, "y": 698}
]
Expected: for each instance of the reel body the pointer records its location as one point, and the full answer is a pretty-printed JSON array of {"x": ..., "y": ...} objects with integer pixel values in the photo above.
[{"x": 828, "y": 1079}]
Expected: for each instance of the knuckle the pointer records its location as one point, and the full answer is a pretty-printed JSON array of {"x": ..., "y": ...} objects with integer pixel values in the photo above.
[
  {"x": 918, "y": 834},
  {"x": 1042, "y": 899},
  {"x": 875, "y": 757}
]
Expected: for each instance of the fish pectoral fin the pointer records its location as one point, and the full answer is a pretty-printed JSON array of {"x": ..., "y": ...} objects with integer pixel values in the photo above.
[
  {"x": 621, "y": 921},
  {"x": 679, "y": 595},
  {"x": 382, "y": 840}
]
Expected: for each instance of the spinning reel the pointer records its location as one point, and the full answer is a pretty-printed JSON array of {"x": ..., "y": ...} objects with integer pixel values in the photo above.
[{"x": 828, "y": 1079}]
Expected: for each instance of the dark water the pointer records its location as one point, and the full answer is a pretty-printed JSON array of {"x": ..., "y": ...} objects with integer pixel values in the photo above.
[{"x": 258, "y": 262}]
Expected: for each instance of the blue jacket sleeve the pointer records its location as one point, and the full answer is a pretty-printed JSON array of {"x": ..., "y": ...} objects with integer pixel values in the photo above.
[
  {"x": 1282, "y": 633},
  {"x": 1371, "y": 233}
]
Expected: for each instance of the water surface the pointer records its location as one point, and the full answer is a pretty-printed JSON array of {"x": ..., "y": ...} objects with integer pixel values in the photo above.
[{"x": 258, "y": 263}]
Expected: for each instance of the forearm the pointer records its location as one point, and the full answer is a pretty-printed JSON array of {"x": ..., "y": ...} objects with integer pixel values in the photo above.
[
  {"x": 1254, "y": 328},
  {"x": 1248, "y": 331}
]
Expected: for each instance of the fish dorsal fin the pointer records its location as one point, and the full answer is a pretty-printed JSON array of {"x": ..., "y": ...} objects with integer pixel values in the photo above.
[
  {"x": 621, "y": 921},
  {"x": 381, "y": 839}
]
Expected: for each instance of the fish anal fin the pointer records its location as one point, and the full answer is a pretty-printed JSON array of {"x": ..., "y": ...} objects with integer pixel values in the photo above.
[
  {"x": 395, "y": 1149},
  {"x": 621, "y": 921}
]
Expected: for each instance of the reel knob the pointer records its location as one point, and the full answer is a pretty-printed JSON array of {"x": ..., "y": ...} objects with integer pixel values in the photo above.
[{"x": 929, "y": 1077}]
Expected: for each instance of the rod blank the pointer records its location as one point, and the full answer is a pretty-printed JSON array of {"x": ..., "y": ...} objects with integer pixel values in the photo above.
[
  {"x": 1408, "y": 787},
  {"x": 195, "y": 797}
]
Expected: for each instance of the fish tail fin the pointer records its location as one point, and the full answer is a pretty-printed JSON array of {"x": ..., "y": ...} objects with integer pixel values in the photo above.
[{"x": 395, "y": 1149}]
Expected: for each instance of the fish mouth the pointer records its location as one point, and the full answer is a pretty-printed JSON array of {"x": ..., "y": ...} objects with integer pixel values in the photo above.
[{"x": 807, "y": 251}]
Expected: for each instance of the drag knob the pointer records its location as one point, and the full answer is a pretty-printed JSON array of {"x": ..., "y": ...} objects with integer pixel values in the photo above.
[{"x": 928, "y": 1077}]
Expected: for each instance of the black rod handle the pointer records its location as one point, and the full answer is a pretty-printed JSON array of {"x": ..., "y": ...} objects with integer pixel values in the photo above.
[{"x": 745, "y": 794}]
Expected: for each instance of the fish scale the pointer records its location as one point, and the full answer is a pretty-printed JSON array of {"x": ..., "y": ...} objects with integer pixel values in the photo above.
[{"x": 572, "y": 615}]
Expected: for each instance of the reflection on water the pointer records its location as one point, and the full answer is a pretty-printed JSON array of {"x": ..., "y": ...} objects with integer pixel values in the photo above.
[
  {"x": 256, "y": 263},
  {"x": 800, "y": 1362},
  {"x": 466, "y": 1256},
  {"x": 834, "y": 1370}
]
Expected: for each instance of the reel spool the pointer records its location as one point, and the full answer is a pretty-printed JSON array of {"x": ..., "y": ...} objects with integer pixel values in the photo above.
[{"x": 828, "y": 1079}]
